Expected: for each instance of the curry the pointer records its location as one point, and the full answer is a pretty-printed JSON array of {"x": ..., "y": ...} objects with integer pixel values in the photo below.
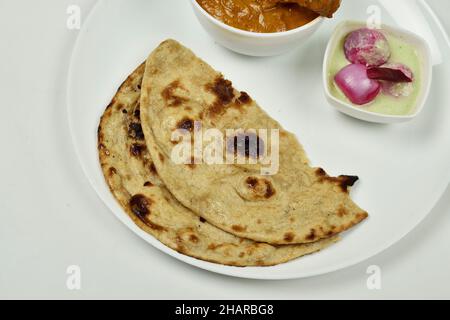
[{"x": 262, "y": 16}]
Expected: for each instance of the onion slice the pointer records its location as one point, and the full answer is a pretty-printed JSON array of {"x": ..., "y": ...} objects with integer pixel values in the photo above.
[
  {"x": 356, "y": 85},
  {"x": 391, "y": 72}
]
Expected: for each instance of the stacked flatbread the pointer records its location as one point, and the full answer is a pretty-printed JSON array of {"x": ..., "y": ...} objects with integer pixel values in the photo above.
[{"x": 226, "y": 214}]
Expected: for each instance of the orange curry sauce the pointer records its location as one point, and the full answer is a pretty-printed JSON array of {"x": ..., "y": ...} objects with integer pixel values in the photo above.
[{"x": 261, "y": 16}]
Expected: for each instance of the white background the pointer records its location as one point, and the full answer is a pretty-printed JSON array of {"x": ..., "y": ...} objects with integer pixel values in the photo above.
[{"x": 50, "y": 217}]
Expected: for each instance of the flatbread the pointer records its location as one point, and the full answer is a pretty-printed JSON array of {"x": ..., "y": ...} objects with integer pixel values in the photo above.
[
  {"x": 299, "y": 204},
  {"x": 132, "y": 178}
]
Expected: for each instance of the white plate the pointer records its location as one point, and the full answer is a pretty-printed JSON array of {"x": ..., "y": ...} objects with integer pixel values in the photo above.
[{"x": 404, "y": 169}]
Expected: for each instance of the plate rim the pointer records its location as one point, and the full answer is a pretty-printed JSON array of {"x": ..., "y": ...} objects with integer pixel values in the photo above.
[{"x": 217, "y": 268}]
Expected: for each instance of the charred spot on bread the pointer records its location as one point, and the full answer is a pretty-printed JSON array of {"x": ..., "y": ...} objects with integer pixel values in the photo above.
[
  {"x": 137, "y": 149},
  {"x": 186, "y": 124},
  {"x": 112, "y": 171},
  {"x": 289, "y": 237},
  {"x": 244, "y": 98},
  {"x": 139, "y": 205},
  {"x": 170, "y": 97},
  {"x": 238, "y": 228},
  {"x": 153, "y": 168},
  {"x": 343, "y": 181},
  {"x": 223, "y": 90},
  {"x": 260, "y": 187},
  {"x": 312, "y": 235},
  {"x": 135, "y": 131}
]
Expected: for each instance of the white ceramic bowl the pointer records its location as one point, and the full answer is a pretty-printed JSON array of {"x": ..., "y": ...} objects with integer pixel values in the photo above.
[
  {"x": 424, "y": 52},
  {"x": 252, "y": 43}
]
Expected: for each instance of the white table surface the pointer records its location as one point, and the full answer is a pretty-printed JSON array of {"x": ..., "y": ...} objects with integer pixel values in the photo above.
[{"x": 50, "y": 218}]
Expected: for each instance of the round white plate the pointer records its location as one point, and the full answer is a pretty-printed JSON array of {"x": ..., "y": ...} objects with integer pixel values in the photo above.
[{"x": 404, "y": 169}]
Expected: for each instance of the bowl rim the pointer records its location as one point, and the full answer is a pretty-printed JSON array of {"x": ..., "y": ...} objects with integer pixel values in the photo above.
[
  {"x": 223, "y": 25},
  {"x": 428, "y": 70}
]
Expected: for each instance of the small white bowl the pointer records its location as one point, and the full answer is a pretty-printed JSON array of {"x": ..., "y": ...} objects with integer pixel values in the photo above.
[
  {"x": 253, "y": 43},
  {"x": 358, "y": 112}
]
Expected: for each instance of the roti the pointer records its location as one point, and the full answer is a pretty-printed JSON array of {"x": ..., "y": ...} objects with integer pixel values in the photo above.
[
  {"x": 297, "y": 204},
  {"x": 133, "y": 180}
]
